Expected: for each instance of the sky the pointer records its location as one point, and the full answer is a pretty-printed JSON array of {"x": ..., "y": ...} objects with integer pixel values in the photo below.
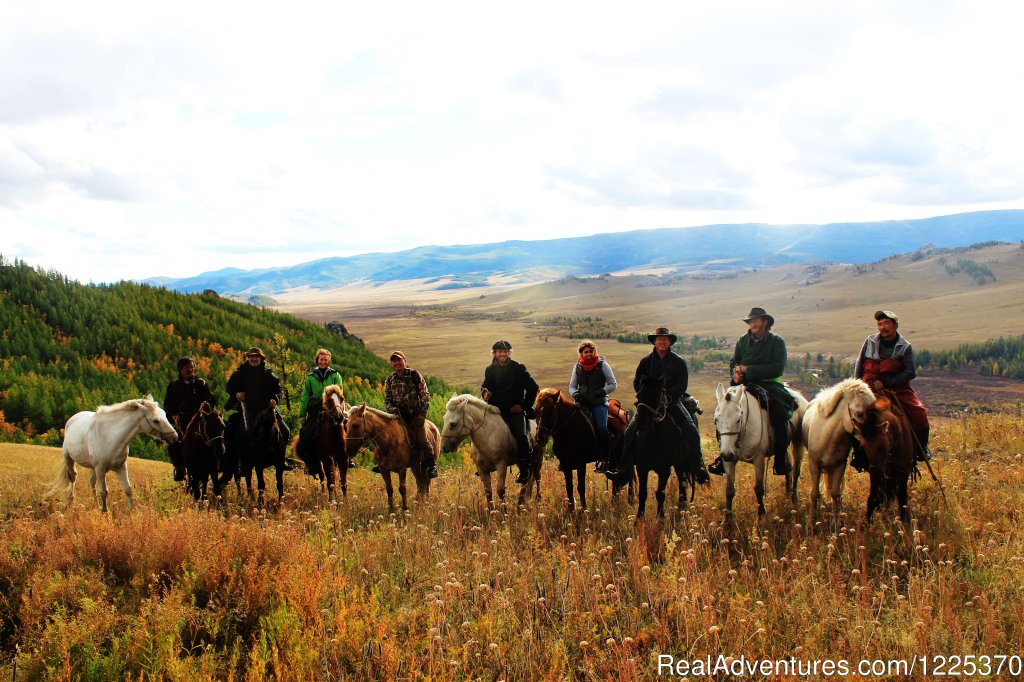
[{"x": 169, "y": 139}]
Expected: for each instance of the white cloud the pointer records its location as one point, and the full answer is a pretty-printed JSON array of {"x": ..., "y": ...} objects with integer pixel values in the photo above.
[{"x": 137, "y": 141}]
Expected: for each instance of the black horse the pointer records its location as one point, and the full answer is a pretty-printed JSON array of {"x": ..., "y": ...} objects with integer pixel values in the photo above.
[
  {"x": 203, "y": 450},
  {"x": 257, "y": 444},
  {"x": 659, "y": 446}
]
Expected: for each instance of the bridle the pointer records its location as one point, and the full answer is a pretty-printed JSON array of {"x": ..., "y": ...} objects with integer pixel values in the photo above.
[
  {"x": 742, "y": 424},
  {"x": 555, "y": 425},
  {"x": 367, "y": 439},
  {"x": 658, "y": 413},
  {"x": 201, "y": 414}
]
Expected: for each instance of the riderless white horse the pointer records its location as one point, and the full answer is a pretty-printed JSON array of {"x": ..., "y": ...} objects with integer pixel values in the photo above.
[
  {"x": 493, "y": 448},
  {"x": 99, "y": 441},
  {"x": 743, "y": 428},
  {"x": 828, "y": 432}
]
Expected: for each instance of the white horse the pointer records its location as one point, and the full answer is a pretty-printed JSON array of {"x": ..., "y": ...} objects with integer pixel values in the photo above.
[
  {"x": 99, "y": 441},
  {"x": 493, "y": 448},
  {"x": 743, "y": 428},
  {"x": 828, "y": 432}
]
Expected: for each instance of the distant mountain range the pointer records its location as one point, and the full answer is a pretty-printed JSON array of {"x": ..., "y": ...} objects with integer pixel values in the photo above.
[{"x": 716, "y": 246}]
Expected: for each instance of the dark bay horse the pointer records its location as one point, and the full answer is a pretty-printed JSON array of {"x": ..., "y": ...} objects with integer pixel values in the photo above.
[
  {"x": 203, "y": 450},
  {"x": 888, "y": 441},
  {"x": 658, "y": 447},
  {"x": 574, "y": 440},
  {"x": 327, "y": 450},
  {"x": 264, "y": 447}
]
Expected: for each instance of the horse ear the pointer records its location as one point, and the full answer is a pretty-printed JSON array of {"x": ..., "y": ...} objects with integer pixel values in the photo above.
[
  {"x": 885, "y": 427},
  {"x": 149, "y": 397},
  {"x": 719, "y": 393}
]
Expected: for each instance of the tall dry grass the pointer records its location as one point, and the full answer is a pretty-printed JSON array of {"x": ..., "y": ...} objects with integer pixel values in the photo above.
[{"x": 448, "y": 591}]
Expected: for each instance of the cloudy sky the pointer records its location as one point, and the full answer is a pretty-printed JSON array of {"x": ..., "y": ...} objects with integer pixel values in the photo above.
[{"x": 139, "y": 141}]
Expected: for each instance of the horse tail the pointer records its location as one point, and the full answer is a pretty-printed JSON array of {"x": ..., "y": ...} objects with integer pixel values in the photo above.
[{"x": 62, "y": 483}]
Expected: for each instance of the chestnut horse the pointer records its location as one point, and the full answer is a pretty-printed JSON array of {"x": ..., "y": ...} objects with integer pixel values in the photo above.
[
  {"x": 574, "y": 440},
  {"x": 327, "y": 450},
  {"x": 202, "y": 450},
  {"x": 395, "y": 451},
  {"x": 888, "y": 441}
]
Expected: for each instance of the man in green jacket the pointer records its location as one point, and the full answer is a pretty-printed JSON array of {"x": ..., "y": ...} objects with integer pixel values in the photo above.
[
  {"x": 311, "y": 402},
  {"x": 760, "y": 360}
]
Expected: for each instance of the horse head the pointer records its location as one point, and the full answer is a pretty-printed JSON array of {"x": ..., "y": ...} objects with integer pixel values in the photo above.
[
  {"x": 357, "y": 430},
  {"x": 546, "y": 411},
  {"x": 651, "y": 400},
  {"x": 334, "y": 406},
  {"x": 458, "y": 422},
  {"x": 263, "y": 428},
  {"x": 154, "y": 420},
  {"x": 876, "y": 434},
  {"x": 730, "y": 419}
]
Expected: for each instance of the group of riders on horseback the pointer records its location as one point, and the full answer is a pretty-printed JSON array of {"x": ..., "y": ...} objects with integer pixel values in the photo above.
[{"x": 885, "y": 362}]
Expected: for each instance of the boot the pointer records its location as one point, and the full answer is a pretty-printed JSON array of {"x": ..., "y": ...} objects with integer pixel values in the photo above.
[
  {"x": 429, "y": 467},
  {"x": 717, "y": 467},
  {"x": 524, "y": 472},
  {"x": 780, "y": 464},
  {"x": 179, "y": 474},
  {"x": 375, "y": 469},
  {"x": 922, "y": 454},
  {"x": 701, "y": 475}
]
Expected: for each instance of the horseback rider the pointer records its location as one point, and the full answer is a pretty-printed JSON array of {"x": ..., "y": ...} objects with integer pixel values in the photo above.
[
  {"x": 886, "y": 363},
  {"x": 183, "y": 399},
  {"x": 509, "y": 387},
  {"x": 406, "y": 394},
  {"x": 255, "y": 386},
  {"x": 591, "y": 381},
  {"x": 663, "y": 362},
  {"x": 760, "y": 360},
  {"x": 311, "y": 400}
]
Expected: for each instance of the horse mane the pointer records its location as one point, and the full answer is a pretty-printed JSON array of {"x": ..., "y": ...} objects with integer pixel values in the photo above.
[
  {"x": 552, "y": 395},
  {"x": 329, "y": 390},
  {"x": 128, "y": 405},
  {"x": 828, "y": 399},
  {"x": 463, "y": 399}
]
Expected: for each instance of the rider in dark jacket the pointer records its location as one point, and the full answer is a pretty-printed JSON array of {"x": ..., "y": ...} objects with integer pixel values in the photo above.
[
  {"x": 509, "y": 387},
  {"x": 256, "y": 387},
  {"x": 181, "y": 402}
]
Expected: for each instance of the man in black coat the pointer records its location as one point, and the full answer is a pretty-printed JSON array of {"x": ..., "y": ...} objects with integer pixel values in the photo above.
[
  {"x": 662, "y": 362},
  {"x": 181, "y": 402},
  {"x": 254, "y": 385},
  {"x": 509, "y": 387}
]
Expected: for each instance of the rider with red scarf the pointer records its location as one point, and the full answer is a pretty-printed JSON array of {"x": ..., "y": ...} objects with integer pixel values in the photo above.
[{"x": 886, "y": 362}]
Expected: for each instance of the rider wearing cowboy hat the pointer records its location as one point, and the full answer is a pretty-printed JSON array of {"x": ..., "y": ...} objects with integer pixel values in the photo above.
[
  {"x": 509, "y": 387},
  {"x": 663, "y": 362},
  {"x": 254, "y": 385},
  {"x": 760, "y": 359}
]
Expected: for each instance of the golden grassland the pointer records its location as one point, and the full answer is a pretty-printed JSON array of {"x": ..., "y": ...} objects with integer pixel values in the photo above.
[
  {"x": 448, "y": 591},
  {"x": 938, "y": 311}
]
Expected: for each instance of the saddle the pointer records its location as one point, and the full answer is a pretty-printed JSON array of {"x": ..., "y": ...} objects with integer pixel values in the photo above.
[
  {"x": 759, "y": 393},
  {"x": 618, "y": 418}
]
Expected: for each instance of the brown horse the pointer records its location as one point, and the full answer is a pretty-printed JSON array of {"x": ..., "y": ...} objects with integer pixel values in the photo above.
[
  {"x": 327, "y": 450},
  {"x": 394, "y": 452},
  {"x": 574, "y": 440},
  {"x": 888, "y": 441},
  {"x": 202, "y": 450}
]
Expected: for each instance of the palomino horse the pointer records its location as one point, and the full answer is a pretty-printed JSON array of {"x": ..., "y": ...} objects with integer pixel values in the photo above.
[
  {"x": 395, "y": 450},
  {"x": 828, "y": 429},
  {"x": 327, "y": 450},
  {"x": 888, "y": 441},
  {"x": 265, "y": 448},
  {"x": 746, "y": 436},
  {"x": 574, "y": 440},
  {"x": 658, "y": 447},
  {"x": 494, "y": 448},
  {"x": 202, "y": 449},
  {"x": 99, "y": 441}
]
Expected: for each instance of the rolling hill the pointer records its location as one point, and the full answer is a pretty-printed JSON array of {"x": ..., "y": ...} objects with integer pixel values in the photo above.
[{"x": 737, "y": 246}]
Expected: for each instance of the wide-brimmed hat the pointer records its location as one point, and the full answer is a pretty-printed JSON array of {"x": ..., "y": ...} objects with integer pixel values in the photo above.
[
  {"x": 254, "y": 351},
  {"x": 501, "y": 344},
  {"x": 662, "y": 331},
  {"x": 396, "y": 354},
  {"x": 879, "y": 314},
  {"x": 760, "y": 312}
]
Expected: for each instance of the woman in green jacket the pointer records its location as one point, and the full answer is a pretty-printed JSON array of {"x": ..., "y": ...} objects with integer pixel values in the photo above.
[{"x": 311, "y": 402}]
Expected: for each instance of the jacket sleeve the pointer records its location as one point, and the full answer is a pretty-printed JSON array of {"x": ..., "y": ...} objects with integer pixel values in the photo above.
[
  {"x": 424, "y": 394},
  {"x": 307, "y": 393},
  {"x": 235, "y": 382},
  {"x": 168, "y": 397},
  {"x": 274, "y": 384},
  {"x": 609, "y": 378},
  {"x": 530, "y": 389},
  {"x": 574, "y": 385},
  {"x": 908, "y": 372},
  {"x": 679, "y": 381},
  {"x": 486, "y": 384},
  {"x": 641, "y": 370},
  {"x": 205, "y": 392},
  {"x": 389, "y": 393},
  {"x": 858, "y": 368},
  {"x": 775, "y": 365},
  {"x": 735, "y": 355}
]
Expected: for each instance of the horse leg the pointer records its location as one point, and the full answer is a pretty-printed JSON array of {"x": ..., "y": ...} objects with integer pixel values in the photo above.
[
  {"x": 279, "y": 476},
  {"x": 401, "y": 486},
  {"x": 641, "y": 493},
  {"x": 902, "y": 500},
  {"x": 126, "y": 485},
  {"x": 659, "y": 494},
  {"x": 485, "y": 479},
  {"x": 328, "y": 472},
  {"x": 760, "y": 464},
  {"x": 502, "y": 472},
  {"x": 568, "y": 489},
  {"x": 261, "y": 485},
  {"x": 794, "y": 476},
  {"x": 815, "y": 469},
  {"x": 100, "y": 480},
  {"x": 730, "y": 484},
  {"x": 581, "y": 484},
  {"x": 386, "y": 475},
  {"x": 835, "y": 488}
]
